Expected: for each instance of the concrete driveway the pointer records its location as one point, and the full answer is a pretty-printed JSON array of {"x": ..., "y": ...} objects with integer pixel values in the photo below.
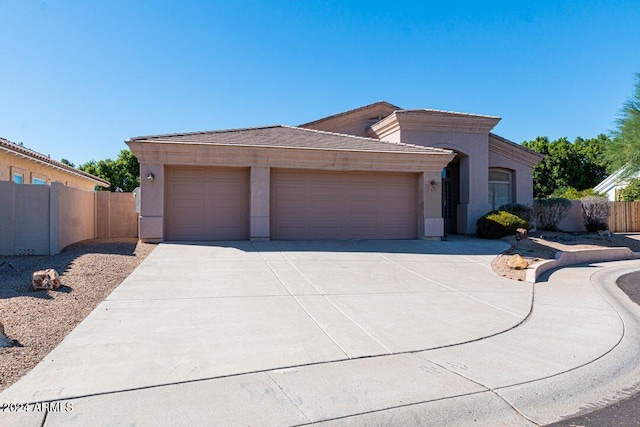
[{"x": 289, "y": 333}]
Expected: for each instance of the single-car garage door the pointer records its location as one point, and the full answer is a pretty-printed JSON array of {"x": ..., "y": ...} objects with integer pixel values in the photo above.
[
  {"x": 206, "y": 203},
  {"x": 343, "y": 205}
]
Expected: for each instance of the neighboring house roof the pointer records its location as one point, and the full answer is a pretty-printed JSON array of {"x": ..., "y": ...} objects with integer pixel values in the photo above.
[
  {"x": 282, "y": 136},
  {"x": 18, "y": 150},
  {"x": 614, "y": 180},
  {"x": 513, "y": 150}
]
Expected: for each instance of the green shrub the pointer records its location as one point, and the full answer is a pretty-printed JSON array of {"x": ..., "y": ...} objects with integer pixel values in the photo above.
[
  {"x": 497, "y": 224},
  {"x": 573, "y": 194},
  {"x": 567, "y": 193},
  {"x": 631, "y": 192},
  {"x": 549, "y": 212},
  {"x": 521, "y": 211}
]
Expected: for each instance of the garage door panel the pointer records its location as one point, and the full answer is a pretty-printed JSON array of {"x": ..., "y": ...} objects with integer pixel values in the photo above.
[
  {"x": 338, "y": 205},
  {"x": 205, "y": 203},
  {"x": 184, "y": 188},
  {"x": 189, "y": 173}
]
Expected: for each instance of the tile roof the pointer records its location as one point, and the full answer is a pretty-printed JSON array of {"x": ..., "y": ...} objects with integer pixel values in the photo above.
[
  {"x": 345, "y": 113},
  {"x": 432, "y": 112},
  {"x": 288, "y": 137},
  {"x": 516, "y": 145},
  {"x": 41, "y": 158}
]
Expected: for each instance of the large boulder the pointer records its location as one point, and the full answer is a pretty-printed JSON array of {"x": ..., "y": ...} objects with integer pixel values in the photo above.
[
  {"x": 45, "y": 279},
  {"x": 516, "y": 262}
]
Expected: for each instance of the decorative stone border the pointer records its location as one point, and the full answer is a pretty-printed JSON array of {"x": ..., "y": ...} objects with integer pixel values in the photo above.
[{"x": 581, "y": 256}]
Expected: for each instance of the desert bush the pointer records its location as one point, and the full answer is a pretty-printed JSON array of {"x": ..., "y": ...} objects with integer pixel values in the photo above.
[
  {"x": 521, "y": 211},
  {"x": 549, "y": 212},
  {"x": 631, "y": 192},
  {"x": 573, "y": 194},
  {"x": 595, "y": 213},
  {"x": 497, "y": 224}
]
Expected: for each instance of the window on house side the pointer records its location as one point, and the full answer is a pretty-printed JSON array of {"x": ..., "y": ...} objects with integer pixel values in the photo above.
[
  {"x": 499, "y": 188},
  {"x": 39, "y": 181},
  {"x": 17, "y": 178}
]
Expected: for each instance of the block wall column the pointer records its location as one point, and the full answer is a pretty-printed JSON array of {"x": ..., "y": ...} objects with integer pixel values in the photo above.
[
  {"x": 430, "y": 198},
  {"x": 151, "y": 221},
  {"x": 7, "y": 217},
  {"x": 54, "y": 218}
]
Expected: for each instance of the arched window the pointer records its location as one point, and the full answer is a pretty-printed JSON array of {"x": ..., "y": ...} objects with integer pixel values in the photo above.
[{"x": 499, "y": 187}]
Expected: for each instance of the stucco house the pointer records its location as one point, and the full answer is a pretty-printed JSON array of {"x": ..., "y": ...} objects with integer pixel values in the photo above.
[
  {"x": 613, "y": 184},
  {"x": 375, "y": 172},
  {"x": 24, "y": 166}
]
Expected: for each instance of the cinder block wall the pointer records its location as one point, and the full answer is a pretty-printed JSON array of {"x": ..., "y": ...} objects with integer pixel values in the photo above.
[
  {"x": 116, "y": 215},
  {"x": 24, "y": 219},
  {"x": 76, "y": 215},
  {"x": 42, "y": 219}
]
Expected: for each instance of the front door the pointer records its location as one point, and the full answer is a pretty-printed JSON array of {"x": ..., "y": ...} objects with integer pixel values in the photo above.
[{"x": 451, "y": 196}]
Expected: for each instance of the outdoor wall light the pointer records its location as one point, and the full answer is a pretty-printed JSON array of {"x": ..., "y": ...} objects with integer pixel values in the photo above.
[
  {"x": 151, "y": 177},
  {"x": 434, "y": 184}
]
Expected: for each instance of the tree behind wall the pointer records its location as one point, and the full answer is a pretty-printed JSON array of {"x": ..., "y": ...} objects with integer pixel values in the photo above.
[
  {"x": 579, "y": 165},
  {"x": 631, "y": 193},
  {"x": 123, "y": 173},
  {"x": 624, "y": 151}
]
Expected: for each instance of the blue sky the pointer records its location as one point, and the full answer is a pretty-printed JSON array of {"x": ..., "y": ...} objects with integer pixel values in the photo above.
[{"x": 79, "y": 77}]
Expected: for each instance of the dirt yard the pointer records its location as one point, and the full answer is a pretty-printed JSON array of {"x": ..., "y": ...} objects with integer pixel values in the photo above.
[{"x": 39, "y": 320}]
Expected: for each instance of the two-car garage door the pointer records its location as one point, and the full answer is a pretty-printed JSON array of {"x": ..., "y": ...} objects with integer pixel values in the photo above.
[
  {"x": 343, "y": 205},
  {"x": 207, "y": 203}
]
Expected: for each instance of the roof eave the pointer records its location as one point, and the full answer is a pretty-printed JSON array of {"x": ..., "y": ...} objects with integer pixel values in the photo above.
[{"x": 427, "y": 150}]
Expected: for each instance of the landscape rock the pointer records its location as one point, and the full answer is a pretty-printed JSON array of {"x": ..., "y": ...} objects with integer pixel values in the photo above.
[
  {"x": 4, "y": 340},
  {"x": 604, "y": 233},
  {"x": 45, "y": 280},
  {"x": 516, "y": 262}
]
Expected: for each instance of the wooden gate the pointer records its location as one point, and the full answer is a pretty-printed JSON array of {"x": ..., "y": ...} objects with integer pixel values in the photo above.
[{"x": 624, "y": 217}]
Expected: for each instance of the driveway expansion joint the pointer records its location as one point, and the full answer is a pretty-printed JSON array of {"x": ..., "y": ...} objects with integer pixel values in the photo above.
[
  {"x": 293, "y": 402},
  {"x": 509, "y": 391},
  {"x": 487, "y": 388}
]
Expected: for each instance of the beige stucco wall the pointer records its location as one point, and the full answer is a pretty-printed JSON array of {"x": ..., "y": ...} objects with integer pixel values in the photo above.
[
  {"x": 31, "y": 169},
  {"x": 573, "y": 221},
  {"x": 42, "y": 219},
  {"x": 115, "y": 215},
  {"x": 76, "y": 214},
  {"x": 154, "y": 157},
  {"x": 474, "y": 166},
  {"x": 32, "y": 222},
  {"x": 7, "y": 217},
  {"x": 24, "y": 219},
  {"x": 478, "y": 150}
]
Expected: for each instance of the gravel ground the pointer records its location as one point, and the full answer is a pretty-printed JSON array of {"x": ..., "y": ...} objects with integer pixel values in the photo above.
[
  {"x": 543, "y": 245},
  {"x": 39, "y": 320}
]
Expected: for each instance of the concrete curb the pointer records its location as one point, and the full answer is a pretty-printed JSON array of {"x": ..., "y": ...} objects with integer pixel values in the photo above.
[{"x": 581, "y": 256}]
